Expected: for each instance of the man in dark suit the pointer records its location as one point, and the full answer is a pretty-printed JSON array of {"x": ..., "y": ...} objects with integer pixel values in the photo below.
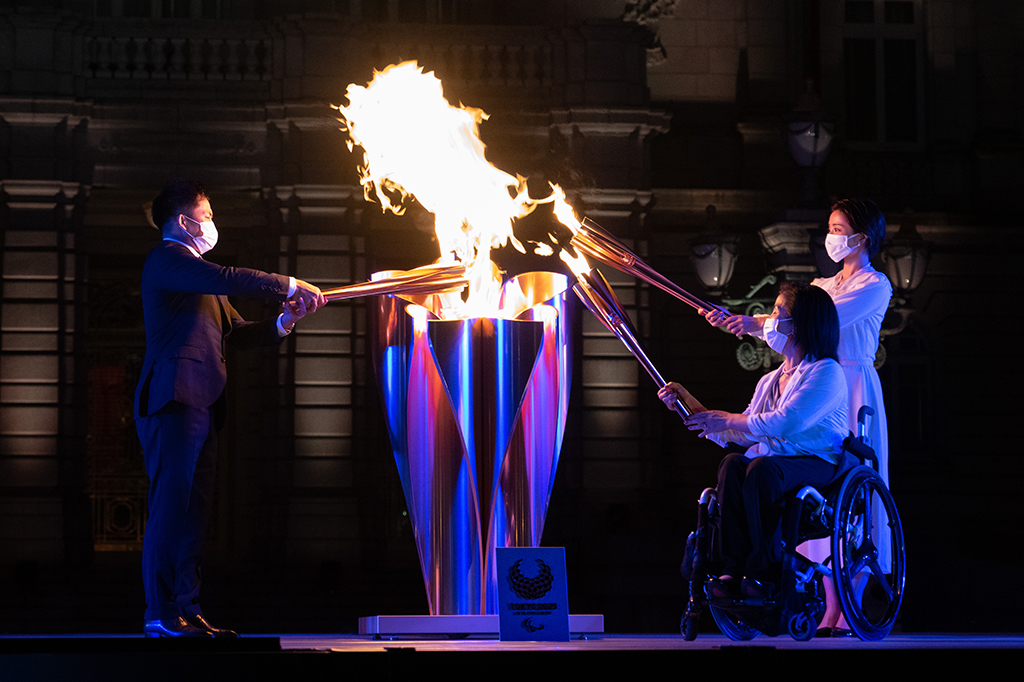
[{"x": 179, "y": 402}]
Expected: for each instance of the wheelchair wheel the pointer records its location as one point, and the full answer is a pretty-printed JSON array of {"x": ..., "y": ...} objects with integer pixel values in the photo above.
[
  {"x": 732, "y": 627},
  {"x": 855, "y": 557},
  {"x": 802, "y": 627}
]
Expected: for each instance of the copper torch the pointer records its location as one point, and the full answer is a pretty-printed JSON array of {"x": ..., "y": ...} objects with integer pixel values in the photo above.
[
  {"x": 428, "y": 279},
  {"x": 595, "y": 292},
  {"x": 596, "y": 242}
]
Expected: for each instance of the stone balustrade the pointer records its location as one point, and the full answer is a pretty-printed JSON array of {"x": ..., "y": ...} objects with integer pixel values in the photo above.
[{"x": 171, "y": 58}]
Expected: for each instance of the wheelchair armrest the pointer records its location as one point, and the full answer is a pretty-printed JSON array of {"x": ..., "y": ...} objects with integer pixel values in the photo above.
[{"x": 860, "y": 450}]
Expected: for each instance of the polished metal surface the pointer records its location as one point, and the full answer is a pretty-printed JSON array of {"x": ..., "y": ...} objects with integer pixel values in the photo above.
[
  {"x": 597, "y": 243},
  {"x": 429, "y": 279},
  {"x": 600, "y": 299},
  {"x": 476, "y": 411}
]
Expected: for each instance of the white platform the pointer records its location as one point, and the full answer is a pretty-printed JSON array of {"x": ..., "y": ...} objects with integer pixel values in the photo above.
[{"x": 586, "y": 623}]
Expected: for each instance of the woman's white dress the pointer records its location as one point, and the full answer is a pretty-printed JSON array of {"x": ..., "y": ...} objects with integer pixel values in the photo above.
[{"x": 861, "y": 302}]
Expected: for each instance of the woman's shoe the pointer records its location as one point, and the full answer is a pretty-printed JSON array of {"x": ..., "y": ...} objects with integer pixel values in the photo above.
[
  {"x": 725, "y": 587},
  {"x": 755, "y": 589}
]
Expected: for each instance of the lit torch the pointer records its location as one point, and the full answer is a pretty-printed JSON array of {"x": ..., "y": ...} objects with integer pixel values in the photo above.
[
  {"x": 593, "y": 240},
  {"x": 599, "y": 298},
  {"x": 428, "y": 279}
]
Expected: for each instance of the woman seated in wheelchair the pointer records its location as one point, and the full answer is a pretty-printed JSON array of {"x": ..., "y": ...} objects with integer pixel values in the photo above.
[{"x": 793, "y": 432}]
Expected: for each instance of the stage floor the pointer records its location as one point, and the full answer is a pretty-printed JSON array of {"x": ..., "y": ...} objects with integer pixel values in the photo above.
[
  {"x": 608, "y": 642},
  {"x": 345, "y": 643},
  {"x": 302, "y": 657}
]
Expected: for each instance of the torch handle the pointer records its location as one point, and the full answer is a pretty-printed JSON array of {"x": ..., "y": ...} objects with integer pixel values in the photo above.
[
  {"x": 595, "y": 242},
  {"x": 652, "y": 276},
  {"x": 626, "y": 336}
]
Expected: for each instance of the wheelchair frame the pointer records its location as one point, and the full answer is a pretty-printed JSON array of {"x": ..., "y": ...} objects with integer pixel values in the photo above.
[{"x": 844, "y": 511}]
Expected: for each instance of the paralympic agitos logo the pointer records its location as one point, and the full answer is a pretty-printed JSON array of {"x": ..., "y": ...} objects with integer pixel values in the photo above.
[{"x": 530, "y": 588}]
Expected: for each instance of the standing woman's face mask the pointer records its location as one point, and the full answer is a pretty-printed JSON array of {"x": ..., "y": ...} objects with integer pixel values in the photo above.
[{"x": 842, "y": 239}]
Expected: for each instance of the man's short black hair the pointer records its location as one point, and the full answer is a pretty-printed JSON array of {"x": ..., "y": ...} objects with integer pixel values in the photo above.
[{"x": 177, "y": 196}]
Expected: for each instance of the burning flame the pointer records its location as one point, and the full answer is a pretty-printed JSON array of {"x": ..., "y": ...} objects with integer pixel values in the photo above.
[{"x": 416, "y": 144}]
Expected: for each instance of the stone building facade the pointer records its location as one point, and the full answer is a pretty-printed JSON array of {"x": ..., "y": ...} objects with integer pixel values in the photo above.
[{"x": 646, "y": 115}]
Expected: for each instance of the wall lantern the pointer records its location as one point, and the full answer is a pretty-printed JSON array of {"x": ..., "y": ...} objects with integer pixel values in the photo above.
[
  {"x": 906, "y": 257},
  {"x": 713, "y": 254},
  {"x": 809, "y": 132}
]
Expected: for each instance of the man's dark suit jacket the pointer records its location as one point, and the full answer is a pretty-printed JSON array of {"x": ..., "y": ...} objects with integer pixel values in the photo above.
[{"x": 188, "y": 319}]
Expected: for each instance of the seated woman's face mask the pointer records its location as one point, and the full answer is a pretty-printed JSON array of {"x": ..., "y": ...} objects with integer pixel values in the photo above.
[{"x": 775, "y": 339}]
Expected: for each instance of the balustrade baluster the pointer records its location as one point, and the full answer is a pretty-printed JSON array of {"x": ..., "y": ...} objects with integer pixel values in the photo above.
[
  {"x": 176, "y": 67},
  {"x": 461, "y": 62},
  {"x": 120, "y": 58},
  {"x": 196, "y": 59},
  {"x": 446, "y": 62},
  {"x": 479, "y": 64},
  {"x": 542, "y": 64},
  {"x": 499, "y": 64},
  {"x": 231, "y": 60},
  {"x": 249, "y": 64},
  {"x": 214, "y": 63},
  {"x": 517, "y": 63},
  {"x": 265, "y": 57},
  {"x": 140, "y": 62},
  {"x": 92, "y": 56},
  {"x": 160, "y": 54},
  {"x": 105, "y": 57}
]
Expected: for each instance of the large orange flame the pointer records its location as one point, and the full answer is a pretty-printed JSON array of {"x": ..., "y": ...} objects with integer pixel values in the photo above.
[{"x": 416, "y": 144}]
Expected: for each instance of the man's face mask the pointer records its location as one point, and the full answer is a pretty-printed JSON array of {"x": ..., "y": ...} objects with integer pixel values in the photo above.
[{"x": 207, "y": 238}]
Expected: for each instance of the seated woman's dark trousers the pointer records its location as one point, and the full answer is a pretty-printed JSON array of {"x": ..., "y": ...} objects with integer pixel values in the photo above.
[{"x": 751, "y": 494}]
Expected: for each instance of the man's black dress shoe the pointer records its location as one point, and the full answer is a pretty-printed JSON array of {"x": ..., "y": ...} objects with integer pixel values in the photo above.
[
  {"x": 203, "y": 624},
  {"x": 173, "y": 627}
]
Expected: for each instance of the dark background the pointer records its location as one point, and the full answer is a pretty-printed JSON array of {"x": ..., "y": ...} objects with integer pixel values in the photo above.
[{"x": 645, "y": 119}]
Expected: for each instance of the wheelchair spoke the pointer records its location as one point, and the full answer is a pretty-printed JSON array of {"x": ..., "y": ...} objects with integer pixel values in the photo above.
[
  {"x": 876, "y": 570},
  {"x": 866, "y": 520},
  {"x": 863, "y": 559}
]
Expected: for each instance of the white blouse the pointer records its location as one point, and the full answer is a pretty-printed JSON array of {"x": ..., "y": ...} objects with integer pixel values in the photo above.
[{"x": 809, "y": 417}]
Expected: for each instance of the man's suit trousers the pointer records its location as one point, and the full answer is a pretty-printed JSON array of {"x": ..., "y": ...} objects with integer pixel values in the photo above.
[{"x": 180, "y": 447}]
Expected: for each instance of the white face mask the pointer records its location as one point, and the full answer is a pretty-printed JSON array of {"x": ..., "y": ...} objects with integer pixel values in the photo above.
[
  {"x": 775, "y": 339},
  {"x": 838, "y": 246},
  {"x": 207, "y": 238}
]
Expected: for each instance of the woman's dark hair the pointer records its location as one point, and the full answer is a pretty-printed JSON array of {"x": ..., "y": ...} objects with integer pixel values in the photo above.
[
  {"x": 865, "y": 218},
  {"x": 815, "y": 320},
  {"x": 177, "y": 196}
]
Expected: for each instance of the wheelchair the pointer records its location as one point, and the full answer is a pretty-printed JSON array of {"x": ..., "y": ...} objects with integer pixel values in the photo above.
[{"x": 847, "y": 511}]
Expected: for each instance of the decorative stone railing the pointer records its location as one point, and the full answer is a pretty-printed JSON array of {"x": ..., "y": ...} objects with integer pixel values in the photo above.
[
  {"x": 511, "y": 58},
  {"x": 177, "y": 58},
  {"x": 313, "y": 59}
]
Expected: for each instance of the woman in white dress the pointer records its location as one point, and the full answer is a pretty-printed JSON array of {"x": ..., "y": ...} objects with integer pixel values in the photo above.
[{"x": 856, "y": 231}]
